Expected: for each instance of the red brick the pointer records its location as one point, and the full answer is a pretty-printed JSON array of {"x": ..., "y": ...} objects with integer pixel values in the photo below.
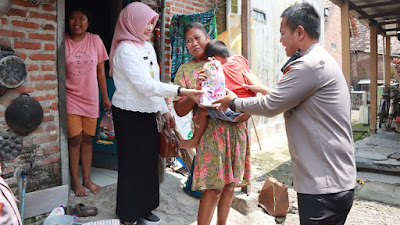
[
  {"x": 54, "y": 106},
  {"x": 46, "y": 109},
  {"x": 50, "y": 159},
  {"x": 40, "y": 152},
  {"x": 48, "y": 27},
  {"x": 47, "y": 67},
  {"x": 16, "y": 12},
  {"x": 49, "y": 47},
  {"x": 45, "y": 98},
  {"x": 47, "y": 119},
  {"x": 21, "y": 89},
  {"x": 190, "y": 8},
  {"x": 24, "y": 3},
  {"x": 46, "y": 37},
  {"x": 51, "y": 128},
  {"x": 45, "y": 16},
  {"x": 5, "y": 42},
  {"x": 43, "y": 77},
  {"x": 42, "y": 57},
  {"x": 33, "y": 67},
  {"x": 45, "y": 87},
  {"x": 25, "y": 24},
  {"x": 10, "y": 33},
  {"x": 52, "y": 150},
  {"x": 179, "y": 5},
  {"x": 56, "y": 168},
  {"x": 48, "y": 7},
  {"x": 27, "y": 45},
  {"x": 4, "y": 21},
  {"x": 22, "y": 55}
]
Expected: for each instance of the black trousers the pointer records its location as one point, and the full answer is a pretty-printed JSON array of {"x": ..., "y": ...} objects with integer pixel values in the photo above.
[
  {"x": 325, "y": 209},
  {"x": 138, "y": 149}
]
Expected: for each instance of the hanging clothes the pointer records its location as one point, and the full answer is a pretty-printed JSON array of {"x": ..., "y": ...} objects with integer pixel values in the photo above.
[{"x": 180, "y": 54}]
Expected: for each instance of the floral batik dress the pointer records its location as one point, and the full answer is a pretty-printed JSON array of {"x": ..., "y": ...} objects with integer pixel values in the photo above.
[{"x": 223, "y": 152}]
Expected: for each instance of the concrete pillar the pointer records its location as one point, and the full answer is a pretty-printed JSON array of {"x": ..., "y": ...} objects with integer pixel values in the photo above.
[
  {"x": 387, "y": 62},
  {"x": 373, "y": 78},
  {"x": 345, "y": 41}
]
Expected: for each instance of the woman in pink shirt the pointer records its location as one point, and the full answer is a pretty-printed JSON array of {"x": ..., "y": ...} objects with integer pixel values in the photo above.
[{"x": 85, "y": 55}]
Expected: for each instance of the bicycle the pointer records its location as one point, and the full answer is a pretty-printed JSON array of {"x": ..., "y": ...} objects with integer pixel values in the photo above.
[
  {"x": 394, "y": 108},
  {"x": 384, "y": 106}
]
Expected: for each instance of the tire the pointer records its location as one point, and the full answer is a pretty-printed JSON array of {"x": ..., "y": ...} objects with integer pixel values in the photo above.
[
  {"x": 389, "y": 123},
  {"x": 382, "y": 114}
]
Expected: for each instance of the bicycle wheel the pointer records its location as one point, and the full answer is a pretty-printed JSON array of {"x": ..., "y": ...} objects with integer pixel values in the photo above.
[
  {"x": 389, "y": 122},
  {"x": 382, "y": 114}
]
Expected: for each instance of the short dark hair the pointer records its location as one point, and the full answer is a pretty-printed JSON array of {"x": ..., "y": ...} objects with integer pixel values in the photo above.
[
  {"x": 217, "y": 48},
  {"x": 197, "y": 25},
  {"x": 303, "y": 14}
]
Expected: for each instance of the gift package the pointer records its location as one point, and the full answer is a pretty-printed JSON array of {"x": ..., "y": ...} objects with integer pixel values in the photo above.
[{"x": 214, "y": 86}]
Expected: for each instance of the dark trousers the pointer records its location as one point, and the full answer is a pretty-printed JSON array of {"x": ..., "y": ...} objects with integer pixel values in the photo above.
[
  {"x": 325, "y": 209},
  {"x": 138, "y": 149}
]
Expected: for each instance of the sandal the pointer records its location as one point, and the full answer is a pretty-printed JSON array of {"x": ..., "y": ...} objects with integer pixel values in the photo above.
[{"x": 80, "y": 210}]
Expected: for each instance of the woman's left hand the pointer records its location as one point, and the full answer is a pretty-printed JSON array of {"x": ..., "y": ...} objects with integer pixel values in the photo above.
[
  {"x": 169, "y": 120},
  {"x": 243, "y": 117},
  {"x": 107, "y": 104}
]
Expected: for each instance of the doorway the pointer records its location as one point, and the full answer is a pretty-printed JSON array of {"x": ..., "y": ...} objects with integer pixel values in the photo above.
[{"x": 104, "y": 15}]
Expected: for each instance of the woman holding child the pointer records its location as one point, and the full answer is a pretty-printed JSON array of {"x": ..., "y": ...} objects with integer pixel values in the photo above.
[{"x": 223, "y": 152}]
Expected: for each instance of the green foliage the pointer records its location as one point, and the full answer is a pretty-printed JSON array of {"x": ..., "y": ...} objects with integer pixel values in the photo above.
[{"x": 360, "y": 131}]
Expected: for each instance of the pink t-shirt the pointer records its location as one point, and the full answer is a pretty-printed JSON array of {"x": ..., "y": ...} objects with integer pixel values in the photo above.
[{"x": 81, "y": 74}]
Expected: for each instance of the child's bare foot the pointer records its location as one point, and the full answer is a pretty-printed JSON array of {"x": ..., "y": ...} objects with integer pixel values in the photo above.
[
  {"x": 78, "y": 189},
  {"x": 188, "y": 144},
  {"x": 94, "y": 188}
]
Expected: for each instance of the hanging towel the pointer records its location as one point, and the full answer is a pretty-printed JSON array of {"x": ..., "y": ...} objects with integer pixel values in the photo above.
[{"x": 180, "y": 54}]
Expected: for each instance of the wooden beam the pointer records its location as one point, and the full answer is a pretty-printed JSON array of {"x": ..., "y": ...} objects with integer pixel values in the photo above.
[
  {"x": 387, "y": 62},
  {"x": 373, "y": 77},
  {"x": 381, "y": 14},
  {"x": 246, "y": 30},
  {"x": 372, "y": 5},
  {"x": 246, "y": 47},
  {"x": 346, "y": 68}
]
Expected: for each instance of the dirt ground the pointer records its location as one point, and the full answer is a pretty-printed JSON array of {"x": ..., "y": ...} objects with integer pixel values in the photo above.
[{"x": 362, "y": 212}]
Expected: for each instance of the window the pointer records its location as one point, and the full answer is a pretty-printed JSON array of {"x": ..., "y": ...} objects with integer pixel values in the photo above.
[{"x": 258, "y": 15}]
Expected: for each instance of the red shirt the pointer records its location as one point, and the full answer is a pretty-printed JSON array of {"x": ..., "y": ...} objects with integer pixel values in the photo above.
[{"x": 235, "y": 75}]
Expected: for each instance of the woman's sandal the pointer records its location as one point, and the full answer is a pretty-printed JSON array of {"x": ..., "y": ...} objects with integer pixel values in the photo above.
[{"x": 80, "y": 210}]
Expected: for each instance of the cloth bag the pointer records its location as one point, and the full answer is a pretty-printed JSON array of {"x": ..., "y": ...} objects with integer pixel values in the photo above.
[
  {"x": 274, "y": 197},
  {"x": 168, "y": 143}
]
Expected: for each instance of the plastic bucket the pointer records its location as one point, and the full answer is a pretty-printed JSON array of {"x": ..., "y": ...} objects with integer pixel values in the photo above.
[{"x": 59, "y": 220}]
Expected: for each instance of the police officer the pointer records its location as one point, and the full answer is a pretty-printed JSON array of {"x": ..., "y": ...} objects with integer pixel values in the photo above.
[{"x": 315, "y": 99}]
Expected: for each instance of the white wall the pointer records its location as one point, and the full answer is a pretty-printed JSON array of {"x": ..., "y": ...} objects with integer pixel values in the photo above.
[{"x": 268, "y": 55}]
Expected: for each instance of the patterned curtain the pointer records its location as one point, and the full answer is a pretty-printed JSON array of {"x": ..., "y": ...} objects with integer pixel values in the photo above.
[{"x": 180, "y": 54}]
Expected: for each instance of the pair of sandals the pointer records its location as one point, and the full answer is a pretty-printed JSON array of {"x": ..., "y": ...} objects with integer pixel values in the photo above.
[{"x": 80, "y": 210}]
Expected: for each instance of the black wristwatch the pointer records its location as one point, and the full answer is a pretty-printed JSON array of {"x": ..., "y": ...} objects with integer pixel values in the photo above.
[
  {"x": 232, "y": 105},
  {"x": 179, "y": 92}
]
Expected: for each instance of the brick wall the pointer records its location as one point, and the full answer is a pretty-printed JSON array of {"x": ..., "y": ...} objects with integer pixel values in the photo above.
[
  {"x": 31, "y": 30},
  {"x": 333, "y": 34}
]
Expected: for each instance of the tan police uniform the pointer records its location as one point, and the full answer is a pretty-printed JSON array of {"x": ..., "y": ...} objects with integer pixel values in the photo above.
[{"x": 315, "y": 99}]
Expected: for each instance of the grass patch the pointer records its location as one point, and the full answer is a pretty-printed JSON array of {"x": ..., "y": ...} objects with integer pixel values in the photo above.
[{"x": 360, "y": 131}]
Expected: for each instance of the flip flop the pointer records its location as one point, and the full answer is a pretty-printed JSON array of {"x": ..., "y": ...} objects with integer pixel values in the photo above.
[{"x": 80, "y": 210}]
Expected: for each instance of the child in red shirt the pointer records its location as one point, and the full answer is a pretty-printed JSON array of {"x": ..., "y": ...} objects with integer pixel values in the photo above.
[{"x": 236, "y": 71}]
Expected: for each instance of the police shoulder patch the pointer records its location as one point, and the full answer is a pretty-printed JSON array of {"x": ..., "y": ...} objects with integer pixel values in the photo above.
[{"x": 287, "y": 69}]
